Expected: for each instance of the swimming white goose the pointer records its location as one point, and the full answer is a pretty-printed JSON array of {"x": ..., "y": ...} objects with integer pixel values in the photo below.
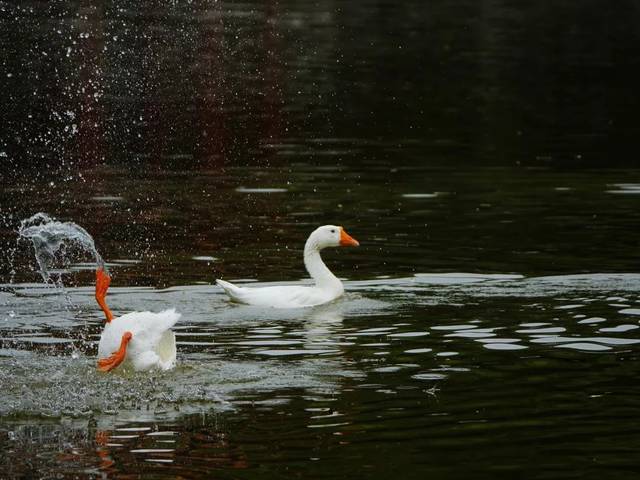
[
  {"x": 327, "y": 288},
  {"x": 143, "y": 340}
]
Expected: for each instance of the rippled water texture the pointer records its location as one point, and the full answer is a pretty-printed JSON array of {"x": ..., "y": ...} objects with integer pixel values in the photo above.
[{"x": 484, "y": 155}]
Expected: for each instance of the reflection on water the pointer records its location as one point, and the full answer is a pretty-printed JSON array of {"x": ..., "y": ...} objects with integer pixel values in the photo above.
[{"x": 404, "y": 359}]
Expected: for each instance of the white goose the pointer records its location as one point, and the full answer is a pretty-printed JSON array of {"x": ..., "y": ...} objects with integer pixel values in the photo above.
[
  {"x": 327, "y": 288},
  {"x": 143, "y": 340}
]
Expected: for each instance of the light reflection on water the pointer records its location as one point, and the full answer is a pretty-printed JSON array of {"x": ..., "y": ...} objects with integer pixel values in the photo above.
[
  {"x": 229, "y": 354},
  {"x": 426, "y": 362}
]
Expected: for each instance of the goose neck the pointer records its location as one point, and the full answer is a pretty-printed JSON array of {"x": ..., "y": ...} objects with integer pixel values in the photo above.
[{"x": 317, "y": 269}]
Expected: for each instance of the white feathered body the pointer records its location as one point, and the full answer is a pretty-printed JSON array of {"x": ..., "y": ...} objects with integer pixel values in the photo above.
[
  {"x": 327, "y": 286},
  {"x": 153, "y": 344},
  {"x": 282, "y": 296}
]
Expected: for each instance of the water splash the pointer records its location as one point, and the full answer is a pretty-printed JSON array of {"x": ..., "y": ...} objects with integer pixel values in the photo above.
[{"x": 51, "y": 238}]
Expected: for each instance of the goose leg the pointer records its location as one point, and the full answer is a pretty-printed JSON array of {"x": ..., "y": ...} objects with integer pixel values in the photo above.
[
  {"x": 102, "y": 285},
  {"x": 117, "y": 357}
]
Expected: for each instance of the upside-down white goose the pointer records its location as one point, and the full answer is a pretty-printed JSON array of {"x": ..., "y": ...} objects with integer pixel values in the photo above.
[{"x": 143, "y": 340}]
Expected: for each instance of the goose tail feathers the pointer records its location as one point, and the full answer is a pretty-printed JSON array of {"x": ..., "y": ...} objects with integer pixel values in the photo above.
[{"x": 235, "y": 293}]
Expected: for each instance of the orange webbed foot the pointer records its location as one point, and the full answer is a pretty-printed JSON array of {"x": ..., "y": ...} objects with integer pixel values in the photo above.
[
  {"x": 103, "y": 280},
  {"x": 116, "y": 358}
]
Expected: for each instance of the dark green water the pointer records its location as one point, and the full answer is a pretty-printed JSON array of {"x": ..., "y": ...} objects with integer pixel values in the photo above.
[{"x": 484, "y": 155}]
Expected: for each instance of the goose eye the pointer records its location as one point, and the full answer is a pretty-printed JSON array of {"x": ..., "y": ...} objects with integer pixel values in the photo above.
[{"x": 333, "y": 230}]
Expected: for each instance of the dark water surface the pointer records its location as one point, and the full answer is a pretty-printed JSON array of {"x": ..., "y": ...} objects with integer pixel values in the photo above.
[{"x": 483, "y": 153}]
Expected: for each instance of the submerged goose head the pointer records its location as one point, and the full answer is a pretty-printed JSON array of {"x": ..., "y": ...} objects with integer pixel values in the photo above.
[{"x": 330, "y": 236}]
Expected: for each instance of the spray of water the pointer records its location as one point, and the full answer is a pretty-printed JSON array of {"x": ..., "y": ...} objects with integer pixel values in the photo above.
[
  {"x": 52, "y": 241},
  {"x": 51, "y": 237}
]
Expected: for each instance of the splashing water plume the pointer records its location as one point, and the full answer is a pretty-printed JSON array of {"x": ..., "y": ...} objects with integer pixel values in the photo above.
[{"x": 51, "y": 237}]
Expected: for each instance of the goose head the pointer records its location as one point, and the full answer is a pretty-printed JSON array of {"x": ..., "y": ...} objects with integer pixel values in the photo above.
[{"x": 331, "y": 236}]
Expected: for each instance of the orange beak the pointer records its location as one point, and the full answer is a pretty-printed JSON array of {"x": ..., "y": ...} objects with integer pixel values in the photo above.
[{"x": 347, "y": 240}]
